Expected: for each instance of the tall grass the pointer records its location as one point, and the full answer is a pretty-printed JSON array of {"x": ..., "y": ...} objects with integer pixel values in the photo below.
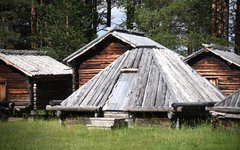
[{"x": 43, "y": 135}]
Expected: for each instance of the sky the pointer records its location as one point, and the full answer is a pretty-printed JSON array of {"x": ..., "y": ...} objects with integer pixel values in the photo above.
[{"x": 118, "y": 16}]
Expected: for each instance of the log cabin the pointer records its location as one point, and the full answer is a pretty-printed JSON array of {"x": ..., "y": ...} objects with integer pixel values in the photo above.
[
  {"x": 99, "y": 53},
  {"x": 146, "y": 81},
  {"x": 218, "y": 65},
  {"x": 31, "y": 79}
]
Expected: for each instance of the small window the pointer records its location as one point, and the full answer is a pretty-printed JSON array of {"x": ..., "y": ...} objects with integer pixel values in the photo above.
[{"x": 214, "y": 81}]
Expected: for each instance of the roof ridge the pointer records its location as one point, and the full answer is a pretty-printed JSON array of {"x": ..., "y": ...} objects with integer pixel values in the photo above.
[
  {"x": 123, "y": 30},
  {"x": 218, "y": 47},
  {"x": 23, "y": 52}
]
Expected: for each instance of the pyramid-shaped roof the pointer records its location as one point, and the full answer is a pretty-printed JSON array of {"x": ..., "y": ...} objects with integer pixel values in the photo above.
[{"x": 143, "y": 79}]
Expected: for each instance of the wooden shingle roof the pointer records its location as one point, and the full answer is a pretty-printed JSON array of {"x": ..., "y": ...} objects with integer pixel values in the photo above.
[
  {"x": 143, "y": 79},
  {"x": 220, "y": 51},
  {"x": 34, "y": 63}
]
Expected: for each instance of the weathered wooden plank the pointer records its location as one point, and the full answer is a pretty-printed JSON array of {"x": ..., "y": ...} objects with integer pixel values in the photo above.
[
  {"x": 130, "y": 61},
  {"x": 151, "y": 88},
  {"x": 137, "y": 59},
  {"x": 161, "y": 90},
  {"x": 72, "y": 109},
  {"x": 18, "y": 91},
  {"x": 214, "y": 67},
  {"x": 98, "y": 88},
  {"x": 225, "y": 109},
  {"x": 105, "y": 55},
  {"x": 219, "y": 73},
  {"x": 135, "y": 95},
  {"x": 119, "y": 97},
  {"x": 150, "y": 109},
  {"x": 234, "y": 99},
  {"x": 109, "y": 83}
]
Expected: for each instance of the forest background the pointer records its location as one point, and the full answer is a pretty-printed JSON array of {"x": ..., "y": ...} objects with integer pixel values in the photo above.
[{"x": 64, "y": 26}]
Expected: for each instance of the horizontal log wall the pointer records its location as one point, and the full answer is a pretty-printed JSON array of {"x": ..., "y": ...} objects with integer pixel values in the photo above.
[
  {"x": 17, "y": 85},
  {"x": 99, "y": 58},
  {"x": 212, "y": 67}
]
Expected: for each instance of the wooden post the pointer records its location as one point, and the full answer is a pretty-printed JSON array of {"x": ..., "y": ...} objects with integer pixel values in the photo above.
[
  {"x": 30, "y": 89},
  {"x": 34, "y": 95},
  {"x": 61, "y": 117},
  {"x": 75, "y": 77},
  {"x": 178, "y": 122}
]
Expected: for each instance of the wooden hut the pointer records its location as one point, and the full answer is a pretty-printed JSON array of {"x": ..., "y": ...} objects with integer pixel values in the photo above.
[
  {"x": 99, "y": 53},
  {"x": 143, "y": 82},
  {"x": 227, "y": 110},
  {"x": 31, "y": 79},
  {"x": 218, "y": 65}
]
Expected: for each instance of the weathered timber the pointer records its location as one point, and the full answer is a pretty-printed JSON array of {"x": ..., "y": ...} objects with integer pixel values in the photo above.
[
  {"x": 204, "y": 104},
  {"x": 158, "y": 82},
  {"x": 102, "y": 51},
  {"x": 72, "y": 109},
  {"x": 221, "y": 68},
  {"x": 149, "y": 109},
  {"x": 7, "y": 104},
  {"x": 106, "y": 123},
  {"x": 100, "y": 59},
  {"x": 225, "y": 109},
  {"x": 55, "y": 102},
  {"x": 31, "y": 79}
]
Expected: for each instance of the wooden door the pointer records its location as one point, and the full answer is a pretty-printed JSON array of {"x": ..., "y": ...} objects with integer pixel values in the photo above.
[
  {"x": 2, "y": 90},
  {"x": 119, "y": 97}
]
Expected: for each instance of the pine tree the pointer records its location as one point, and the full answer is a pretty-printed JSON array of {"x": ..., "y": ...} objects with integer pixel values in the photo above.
[
  {"x": 177, "y": 23},
  {"x": 237, "y": 30},
  {"x": 64, "y": 26},
  {"x": 14, "y": 24}
]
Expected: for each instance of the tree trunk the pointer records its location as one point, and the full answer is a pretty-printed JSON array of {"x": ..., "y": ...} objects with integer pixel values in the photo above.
[
  {"x": 237, "y": 30},
  {"x": 130, "y": 14},
  {"x": 225, "y": 19},
  {"x": 67, "y": 25},
  {"x": 109, "y": 7},
  {"x": 213, "y": 17},
  {"x": 33, "y": 25},
  {"x": 95, "y": 17}
]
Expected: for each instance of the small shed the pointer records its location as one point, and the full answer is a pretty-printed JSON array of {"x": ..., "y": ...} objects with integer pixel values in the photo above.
[
  {"x": 218, "y": 65},
  {"x": 143, "y": 81},
  {"x": 31, "y": 79},
  {"x": 99, "y": 53}
]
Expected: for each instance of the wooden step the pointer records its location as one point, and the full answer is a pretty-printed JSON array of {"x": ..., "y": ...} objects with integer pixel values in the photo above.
[
  {"x": 106, "y": 123},
  {"x": 111, "y": 114}
]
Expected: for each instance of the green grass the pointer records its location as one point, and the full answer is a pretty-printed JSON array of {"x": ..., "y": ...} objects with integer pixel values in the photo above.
[{"x": 43, "y": 135}]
